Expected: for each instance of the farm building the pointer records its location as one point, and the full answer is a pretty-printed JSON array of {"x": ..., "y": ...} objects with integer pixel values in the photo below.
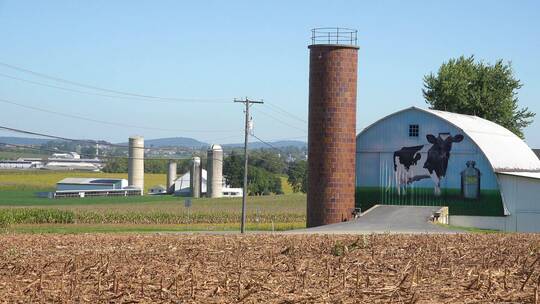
[
  {"x": 15, "y": 164},
  {"x": 88, "y": 187},
  {"x": 71, "y": 166},
  {"x": 72, "y": 183},
  {"x": 486, "y": 175},
  {"x": 182, "y": 186}
]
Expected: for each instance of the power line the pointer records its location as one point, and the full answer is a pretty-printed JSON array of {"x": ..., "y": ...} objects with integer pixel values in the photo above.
[
  {"x": 283, "y": 111},
  {"x": 91, "y": 141},
  {"x": 127, "y": 98},
  {"x": 88, "y": 141},
  {"x": 87, "y": 154},
  {"x": 127, "y": 95},
  {"x": 55, "y": 137},
  {"x": 268, "y": 144},
  {"x": 92, "y": 87},
  {"x": 132, "y": 96},
  {"x": 281, "y": 121},
  {"x": 108, "y": 122}
]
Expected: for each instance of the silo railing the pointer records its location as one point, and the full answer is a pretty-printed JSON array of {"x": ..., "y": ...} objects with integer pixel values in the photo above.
[{"x": 334, "y": 35}]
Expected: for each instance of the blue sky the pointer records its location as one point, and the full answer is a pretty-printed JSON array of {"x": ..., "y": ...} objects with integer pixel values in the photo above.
[{"x": 218, "y": 50}]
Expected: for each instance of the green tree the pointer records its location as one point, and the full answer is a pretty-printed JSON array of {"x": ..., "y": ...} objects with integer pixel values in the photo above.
[
  {"x": 297, "y": 176},
  {"x": 465, "y": 86},
  {"x": 120, "y": 165},
  {"x": 260, "y": 180},
  {"x": 156, "y": 166},
  {"x": 268, "y": 160},
  {"x": 233, "y": 170},
  {"x": 115, "y": 165}
]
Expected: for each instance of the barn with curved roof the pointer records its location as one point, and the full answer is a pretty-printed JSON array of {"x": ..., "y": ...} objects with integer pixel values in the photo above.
[{"x": 486, "y": 175}]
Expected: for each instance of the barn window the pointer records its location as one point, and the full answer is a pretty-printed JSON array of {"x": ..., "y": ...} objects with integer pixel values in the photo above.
[{"x": 413, "y": 130}]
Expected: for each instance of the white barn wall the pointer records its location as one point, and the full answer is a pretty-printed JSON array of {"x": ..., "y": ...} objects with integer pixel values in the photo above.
[
  {"x": 521, "y": 197},
  {"x": 482, "y": 222}
]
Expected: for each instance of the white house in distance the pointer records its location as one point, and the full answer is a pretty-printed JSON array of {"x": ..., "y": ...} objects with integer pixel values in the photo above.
[
  {"x": 182, "y": 186},
  {"x": 70, "y": 155}
]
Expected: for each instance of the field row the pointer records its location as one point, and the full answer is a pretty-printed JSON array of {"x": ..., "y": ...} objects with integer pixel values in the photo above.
[
  {"x": 59, "y": 216},
  {"x": 275, "y": 212}
]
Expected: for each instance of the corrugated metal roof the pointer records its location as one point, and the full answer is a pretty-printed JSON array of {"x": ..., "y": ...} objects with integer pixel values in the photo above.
[
  {"x": 504, "y": 150},
  {"x": 81, "y": 180},
  {"x": 535, "y": 175}
]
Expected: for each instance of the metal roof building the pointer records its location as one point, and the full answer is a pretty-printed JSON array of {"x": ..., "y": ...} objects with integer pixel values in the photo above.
[
  {"x": 75, "y": 183},
  {"x": 486, "y": 175}
]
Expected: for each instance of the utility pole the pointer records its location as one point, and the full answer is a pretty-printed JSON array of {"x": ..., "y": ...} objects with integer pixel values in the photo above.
[{"x": 247, "y": 102}]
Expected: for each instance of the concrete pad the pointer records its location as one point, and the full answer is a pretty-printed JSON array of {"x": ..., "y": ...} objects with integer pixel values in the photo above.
[{"x": 386, "y": 219}]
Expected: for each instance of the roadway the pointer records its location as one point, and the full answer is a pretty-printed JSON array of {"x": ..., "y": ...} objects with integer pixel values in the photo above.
[{"x": 386, "y": 219}]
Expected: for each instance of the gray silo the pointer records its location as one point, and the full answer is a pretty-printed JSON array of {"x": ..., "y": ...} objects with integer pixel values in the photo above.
[
  {"x": 214, "y": 168},
  {"x": 195, "y": 177},
  {"x": 136, "y": 162},
  {"x": 171, "y": 176}
]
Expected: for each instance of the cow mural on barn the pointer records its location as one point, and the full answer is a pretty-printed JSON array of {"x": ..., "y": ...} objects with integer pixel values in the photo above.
[{"x": 412, "y": 164}]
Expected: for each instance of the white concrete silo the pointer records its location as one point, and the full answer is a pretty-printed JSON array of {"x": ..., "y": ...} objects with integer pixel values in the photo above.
[
  {"x": 136, "y": 162},
  {"x": 171, "y": 176},
  {"x": 195, "y": 177},
  {"x": 215, "y": 171}
]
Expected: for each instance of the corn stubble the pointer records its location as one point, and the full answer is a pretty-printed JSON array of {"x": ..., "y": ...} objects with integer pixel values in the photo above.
[{"x": 270, "y": 268}]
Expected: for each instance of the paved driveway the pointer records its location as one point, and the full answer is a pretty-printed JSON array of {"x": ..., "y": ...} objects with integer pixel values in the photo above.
[{"x": 386, "y": 219}]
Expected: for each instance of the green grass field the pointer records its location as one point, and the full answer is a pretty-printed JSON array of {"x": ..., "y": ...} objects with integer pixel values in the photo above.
[
  {"x": 44, "y": 180},
  {"x": 17, "y": 154},
  {"x": 22, "y": 211}
]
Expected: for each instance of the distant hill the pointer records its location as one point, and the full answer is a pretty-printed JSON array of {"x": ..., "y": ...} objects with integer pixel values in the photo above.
[
  {"x": 185, "y": 142},
  {"x": 23, "y": 140},
  {"x": 278, "y": 144}
]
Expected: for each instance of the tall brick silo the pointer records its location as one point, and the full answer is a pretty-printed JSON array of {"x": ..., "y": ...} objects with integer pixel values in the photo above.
[{"x": 332, "y": 125}]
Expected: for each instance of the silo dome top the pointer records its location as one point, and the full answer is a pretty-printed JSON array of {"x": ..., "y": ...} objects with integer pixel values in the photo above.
[
  {"x": 196, "y": 159},
  {"x": 216, "y": 147}
]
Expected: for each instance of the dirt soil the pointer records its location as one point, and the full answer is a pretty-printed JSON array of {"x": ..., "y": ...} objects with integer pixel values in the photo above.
[{"x": 131, "y": 268}]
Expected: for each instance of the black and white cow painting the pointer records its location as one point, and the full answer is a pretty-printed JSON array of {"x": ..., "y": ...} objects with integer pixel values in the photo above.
[{"x": 415, "y": 163}]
